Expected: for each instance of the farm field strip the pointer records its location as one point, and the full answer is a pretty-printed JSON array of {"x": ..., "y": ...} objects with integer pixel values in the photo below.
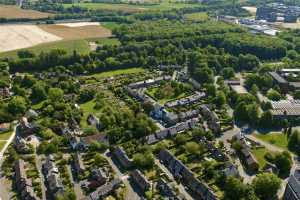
[
  {"x": 15, "y": 37},
  {"x": 21, "y": 36}
]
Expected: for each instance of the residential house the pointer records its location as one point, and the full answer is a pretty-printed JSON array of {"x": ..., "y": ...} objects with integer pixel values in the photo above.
[
  {"x": 186, "y": 176},
  {"x": 292, "y": 190},
  {"x": 20, "y": 144},
  {"x": 171, "y": 131},
  {"x": 99, "y": 175},
  {"x": 25, "y": 127},
  {"x": 122, "y": 157},
  {"x": 94, "y": 121},
  {"x": 75, "y": 142},
  {"x": 285, "y": 109},
  {"x": 104, "y": 190},
  {"x": 53, "y": 181},
  {"x": 231, "y": 170},
  {"x": 167, "y": 190},
  {"x": 23, "y": 184},
  {"x": 212, "y": 118},
  {"x": 140, "y": 180},
  {"x": 250, "y": 160},
  {"x": 186, "y": 101}
]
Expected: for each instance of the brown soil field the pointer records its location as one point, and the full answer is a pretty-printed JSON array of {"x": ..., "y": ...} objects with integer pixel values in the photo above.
[
  {"x": 14, "y": 12},
  {"x": 70, "y": 33}
]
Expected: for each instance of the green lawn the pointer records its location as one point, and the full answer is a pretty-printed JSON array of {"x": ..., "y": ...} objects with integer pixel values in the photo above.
[
  {"x": 5, "y": 135},
  {"x": 81, "y": 46},
  {"x": 2, "y": 143},
  {"x": 87, "y": 108},
  {"x": 105, "y": 41},
  {"x": 133, "y": 7},
  {"x": 259, "y": 154},
  {"x": 118, "y": 72},
  {"x": 151, "y": 92},
  {"x": 199, "y": 17},
  {"x": 277, "y": 139}
]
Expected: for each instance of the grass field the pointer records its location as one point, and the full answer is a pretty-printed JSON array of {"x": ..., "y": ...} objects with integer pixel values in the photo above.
[
  {"x": 118, "y": 72},
  {"x": 105, "y": 41},
  {"x": 277, "y": 139},
  {"x": 151, "y": 92},
  {"x": 81, "y": 46},
  {"x": 2, "y": 144},
  {"x": 259, "y": 154},
  {"x": 5, "y": 135},
  {"x": 133, "y": 7},
  {"x": 197, "y": 17},
  {"x": 14, "y": 12}
]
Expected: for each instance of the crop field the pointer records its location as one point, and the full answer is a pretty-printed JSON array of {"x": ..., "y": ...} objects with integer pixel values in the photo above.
[
  {"x": 40, "y": 37},
  {"x": 81, "y": 46},
  {"x": 14, "y": 12},
  {"x": 14, "y": 37},
  {"x": 132, "y": 7},
  {"x": 79, "y": 32}
]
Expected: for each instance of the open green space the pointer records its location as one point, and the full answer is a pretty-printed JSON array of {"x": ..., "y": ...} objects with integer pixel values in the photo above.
[
  {"x": 105, "y": 41},
  {"x": 81, "y": 46},
  {"x": 118, "y": 72},
  {"x": 274, "y": 138},
  {"x": 198, "y": 17},
  {"x": 110, "y": 25},
  {"x": 133, "y": 7},
  {"x": 259, "y": 154},
  {"x": 169, "y": 92},
  {"x": 2, "y": 144},
  {"x": 5, "y": 135}
]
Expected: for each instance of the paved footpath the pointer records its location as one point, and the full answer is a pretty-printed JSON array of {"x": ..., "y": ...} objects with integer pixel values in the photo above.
[{"x": 8, "y": 142}]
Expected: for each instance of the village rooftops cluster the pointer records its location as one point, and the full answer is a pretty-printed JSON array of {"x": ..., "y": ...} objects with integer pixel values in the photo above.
[
  {"x": 249, "y": 158},
  {"x": 186, "y": 101},
  {"x": 170, "y": 132},
  {"x": 122, "y": 157},
  {"x": 167, "y": 190},
  {"x": 186, "y": 176},
  {"x": 53, "y": 180},
  {"x": 104, "y": 190},
  {"x": 149, "y": 82},
  {"x": 23, "y": 184},
  {"x": 280, "y": 77},
  {"x": 212, "y": 118},
  {"x": 285, "y": 108},
  {"x": 140, "y": 180},
  {"x": 274, "y": 12}
]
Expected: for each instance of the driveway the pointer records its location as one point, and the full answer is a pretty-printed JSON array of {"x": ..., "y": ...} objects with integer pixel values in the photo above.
[{"x": 8, "y": 142}]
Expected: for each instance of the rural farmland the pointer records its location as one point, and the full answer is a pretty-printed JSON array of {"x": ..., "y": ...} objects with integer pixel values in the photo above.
[
  {"x": 15, "y": 37},
  {"x": 14, "y": 12}
]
